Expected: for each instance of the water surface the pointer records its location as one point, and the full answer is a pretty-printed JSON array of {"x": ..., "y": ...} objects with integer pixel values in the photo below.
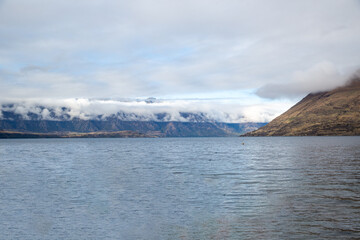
[{"x": 180, "y": 188}]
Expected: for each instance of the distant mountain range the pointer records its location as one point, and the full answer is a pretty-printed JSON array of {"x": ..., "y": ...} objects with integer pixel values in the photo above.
[
  {"x": 14, "y": 124},
  {"x": 331, "y": 113},
  {"x": 118, "y": 134}
]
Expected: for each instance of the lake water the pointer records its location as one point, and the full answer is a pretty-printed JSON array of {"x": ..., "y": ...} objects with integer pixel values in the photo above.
[{"x": 180, "y": 188}]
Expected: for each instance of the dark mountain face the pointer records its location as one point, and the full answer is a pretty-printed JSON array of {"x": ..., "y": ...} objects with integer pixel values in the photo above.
[
  {"x": 197, "y": 125},
  {"x": 335, "y": 112}
]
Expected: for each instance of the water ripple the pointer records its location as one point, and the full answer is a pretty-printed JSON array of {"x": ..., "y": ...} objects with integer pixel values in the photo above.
[{"x": 184, "y": 188}]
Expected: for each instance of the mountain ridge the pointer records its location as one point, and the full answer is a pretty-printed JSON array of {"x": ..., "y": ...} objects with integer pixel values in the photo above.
[{"x": 197, "y": 126}]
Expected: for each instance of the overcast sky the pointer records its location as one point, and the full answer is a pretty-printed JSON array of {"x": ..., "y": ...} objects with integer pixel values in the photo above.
[{"x": 253, "y": 52}]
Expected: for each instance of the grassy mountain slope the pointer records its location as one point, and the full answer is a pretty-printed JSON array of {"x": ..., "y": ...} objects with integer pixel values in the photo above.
[{"x": 332, "y": 113}]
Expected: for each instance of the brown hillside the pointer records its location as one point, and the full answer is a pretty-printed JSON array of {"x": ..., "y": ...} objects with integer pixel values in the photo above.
[{"x": 331, "y": 113}]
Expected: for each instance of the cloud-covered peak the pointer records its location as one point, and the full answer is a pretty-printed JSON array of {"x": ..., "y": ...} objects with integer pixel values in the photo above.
[{"x": 323, "y": 76}]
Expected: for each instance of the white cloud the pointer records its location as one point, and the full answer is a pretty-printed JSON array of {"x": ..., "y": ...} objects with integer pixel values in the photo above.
[
  {"x": 214, "y": 110},
  {"x": 321, "y": 77},
  {"x": 145, "y": 48}
]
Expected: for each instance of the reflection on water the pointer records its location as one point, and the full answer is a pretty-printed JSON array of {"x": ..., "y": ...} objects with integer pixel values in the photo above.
[{"x": 185, "y": 188}]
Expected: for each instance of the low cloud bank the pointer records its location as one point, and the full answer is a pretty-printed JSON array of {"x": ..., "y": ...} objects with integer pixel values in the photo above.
[
  {"x": 143, "y": 110},
  {"x": 323, "y": 76}
]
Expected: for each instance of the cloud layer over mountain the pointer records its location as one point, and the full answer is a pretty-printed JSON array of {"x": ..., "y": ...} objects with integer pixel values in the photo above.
[
  {"x": 322, "y": 77},
  {"x": 144, "y": 110}
]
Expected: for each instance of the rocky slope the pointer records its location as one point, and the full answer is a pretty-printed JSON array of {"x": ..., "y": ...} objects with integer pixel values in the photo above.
[{"x": 331, "y": 113}]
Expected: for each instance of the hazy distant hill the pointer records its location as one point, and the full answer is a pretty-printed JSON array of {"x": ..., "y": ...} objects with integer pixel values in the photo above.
[
  {"x": 335, "y": 112},
  {"x": 195, "y": 126}
]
